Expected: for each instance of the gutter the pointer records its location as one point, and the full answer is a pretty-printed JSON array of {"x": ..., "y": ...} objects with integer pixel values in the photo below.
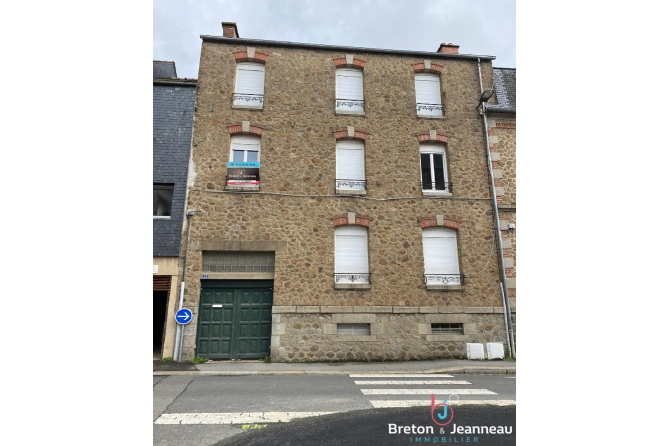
[
  {"x": 238, "y": 40},
  {"x": 494, "y": 109},
  {"x": 187, "y": 82}
]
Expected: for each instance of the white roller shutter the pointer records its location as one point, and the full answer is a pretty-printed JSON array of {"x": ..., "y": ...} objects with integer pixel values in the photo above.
[
  {"x": 427, "y": 88},
  {"x": 349, "y": 87},
  {"x": 249, "y": 83},
  {"x": 440, "y": 253},
  {"x": 246, "y": 144},
  {"x": 351, "y": 252},
  {"x": 350, "y": 163}
]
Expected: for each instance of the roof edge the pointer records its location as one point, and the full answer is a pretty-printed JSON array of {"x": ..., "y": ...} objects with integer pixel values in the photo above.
[
  {"x": 177, "y": 81},
  {"x": 239, "y": 40},
  {"x": 495, "y": 109}
]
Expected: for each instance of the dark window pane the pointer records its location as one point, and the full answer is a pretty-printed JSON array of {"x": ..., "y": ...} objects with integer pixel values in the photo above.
[
  {"x": 238, "y": 156},
  {"x": 162, "y": 200},
  {"x": 425, "y": 171},
  {"x": 252, "y": 157},
  {"x": 439, "y": 172}
]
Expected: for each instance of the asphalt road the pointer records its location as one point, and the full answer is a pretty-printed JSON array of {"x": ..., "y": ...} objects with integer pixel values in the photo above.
[
  {"x": 196, "y": 410},
  {"x": 372, "y": 427}
]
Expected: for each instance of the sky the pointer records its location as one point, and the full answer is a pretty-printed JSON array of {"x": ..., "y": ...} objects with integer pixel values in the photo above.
[{"x": 482, "y": 27}]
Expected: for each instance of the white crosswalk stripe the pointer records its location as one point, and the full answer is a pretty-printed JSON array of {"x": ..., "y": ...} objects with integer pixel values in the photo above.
[
  {"x": 419, "y": 384},
  {"x": 234, "y": 417},
  {"x": 407, "y": 383}
]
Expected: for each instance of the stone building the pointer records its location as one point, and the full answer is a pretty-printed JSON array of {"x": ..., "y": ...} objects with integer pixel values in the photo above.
[
  {"x": 342, "y": 204},
  {"x": 173, "y": 105},
  {"x": 502, "y": 142}
]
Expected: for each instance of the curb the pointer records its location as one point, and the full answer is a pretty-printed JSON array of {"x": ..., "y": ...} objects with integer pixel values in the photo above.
[{"x": 454, "y": 370}]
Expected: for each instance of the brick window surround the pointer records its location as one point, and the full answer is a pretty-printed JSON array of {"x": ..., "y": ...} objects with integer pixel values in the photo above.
[
  {"x": 250, "y": 55},
  {"x": 351, "y": 219},
  {"x": 350, "y": 133},
  {"x": 427, "y": 66},
  {"x": 245, "y": 128},
  {"x": 433, "y": 136},
  {"x": 439, "y": 220},
  {"x": 349, "y": 61}
]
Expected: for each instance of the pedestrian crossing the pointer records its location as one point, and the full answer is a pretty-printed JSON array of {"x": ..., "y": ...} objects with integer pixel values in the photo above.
[{"x": 405, "y": 385}]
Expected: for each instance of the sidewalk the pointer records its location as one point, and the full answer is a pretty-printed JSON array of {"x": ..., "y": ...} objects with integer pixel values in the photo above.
[{"x": 451, "y": 366}]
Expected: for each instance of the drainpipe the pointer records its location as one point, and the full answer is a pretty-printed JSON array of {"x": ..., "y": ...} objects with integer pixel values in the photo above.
[
  {"x": 179, "y": 335},
  {"x": 496, "y": 218}
]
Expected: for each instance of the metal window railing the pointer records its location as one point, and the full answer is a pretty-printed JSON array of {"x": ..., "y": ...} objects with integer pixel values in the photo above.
[
  {"x": 352, "y": 277},
  {"x": 446, "y": 279},
  {"x": 353, "y": 184},
  {"x": 349, "y": 103},
  {"x": 439, "y": 185},
  {"x": 428, "y": 107},
  {"x": 248, "y": 98}
]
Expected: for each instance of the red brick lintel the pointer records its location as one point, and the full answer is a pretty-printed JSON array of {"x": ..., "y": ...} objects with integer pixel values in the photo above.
[
  {"x": 440, "y": 137},
  {"x": 242, "y": 56},
  {"x": 342, "y": 220},
  {"x": 427, "y": 222},
  {"x": 344, "y": 134},
  {"x": 236, "y": 129},
  {"x": 420, "y": 67},
  {"x": 341, "y": 62}
]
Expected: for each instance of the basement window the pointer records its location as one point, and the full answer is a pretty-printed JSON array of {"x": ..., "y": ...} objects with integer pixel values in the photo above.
[
  {"x": 446, "y": 328},
  {"x": 353, "y": 329}
]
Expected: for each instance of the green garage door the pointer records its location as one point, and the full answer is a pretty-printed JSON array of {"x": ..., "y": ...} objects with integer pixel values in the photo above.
[{"x": 235, "y": 319}]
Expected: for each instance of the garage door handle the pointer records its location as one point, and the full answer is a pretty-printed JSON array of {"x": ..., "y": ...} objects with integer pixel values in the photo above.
[{"x": 217, "y": 305}]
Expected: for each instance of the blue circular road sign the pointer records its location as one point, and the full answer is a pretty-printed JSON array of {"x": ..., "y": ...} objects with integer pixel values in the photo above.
[{"x": 183, "y": 316}]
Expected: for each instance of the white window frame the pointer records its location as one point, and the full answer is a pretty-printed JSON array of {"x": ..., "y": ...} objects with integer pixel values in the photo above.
[
  {"x": 352, "y": 231},
  {"x": 423, "y": 112},
  {"x": 349, "y": 145},
  {"x": 431, "y": 149},
  {"x": 347, "y": 105},
  {"x": 448, "y": 276},
  {"x": 241, "y": 103},
  {"x": 241, "y": 139}
]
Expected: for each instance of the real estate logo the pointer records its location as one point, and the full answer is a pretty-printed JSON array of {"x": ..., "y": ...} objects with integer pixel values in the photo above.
[{"x": 445, "y": 413}]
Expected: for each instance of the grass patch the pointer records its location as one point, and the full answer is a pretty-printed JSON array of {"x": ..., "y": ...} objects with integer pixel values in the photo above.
[
  {"x": 198, "y": 360},
  {"x": 167, "y": 360}
]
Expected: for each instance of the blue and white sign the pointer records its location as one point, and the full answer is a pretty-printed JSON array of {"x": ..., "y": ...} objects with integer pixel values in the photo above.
[{"x": 183, "y": 316}]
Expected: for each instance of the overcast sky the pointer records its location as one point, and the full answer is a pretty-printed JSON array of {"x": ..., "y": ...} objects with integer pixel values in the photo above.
[{"x": 483, "y": 27}]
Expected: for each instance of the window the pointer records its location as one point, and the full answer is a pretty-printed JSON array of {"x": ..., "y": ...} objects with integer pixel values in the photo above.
[
  {"x": 349, "y": 90},
  {"x": 428, "y": 97},
  {"x": 351, "y": 254},
  {"x": 245, "y": 148},
  {"x": 249, "y": 85},
  {"x": 350, "y": 165},
  {"x": 353, "y": 329},
  {"x": 446, "y": 328},
  {"x": 440, "y": 256},
  {"x": 434, "y": 168},
  {"x": 163, "y": 199}
]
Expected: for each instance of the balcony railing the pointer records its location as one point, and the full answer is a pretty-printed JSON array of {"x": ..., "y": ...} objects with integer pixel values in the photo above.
[
  {"x": 352, "y": 277},
  {"x": 445, "y": 279},
  {"x": 350, "y": 184},
  {"x": 428, "y": 107},
  {"x": 248, "y": 98},
  {"x": 440, "y": 185},
  {"x": 349, "y": 103}
]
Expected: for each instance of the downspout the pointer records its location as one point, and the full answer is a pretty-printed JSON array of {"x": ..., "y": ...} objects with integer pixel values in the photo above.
[
  {"x": 496, "y": 218},
  {"x": 179, "y": 335}
]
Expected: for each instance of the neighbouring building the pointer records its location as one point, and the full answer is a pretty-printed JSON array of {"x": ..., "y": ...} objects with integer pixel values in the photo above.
[
  {"x": 502, "y": 142},
  {"x": 173, "y": 104},
  {"x": 342, "y": 204}
]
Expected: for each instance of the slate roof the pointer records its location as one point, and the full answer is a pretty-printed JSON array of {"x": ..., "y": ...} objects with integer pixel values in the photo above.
[
  {"x": 164, "y": 70},
  {"x": 504, "y": 83}
]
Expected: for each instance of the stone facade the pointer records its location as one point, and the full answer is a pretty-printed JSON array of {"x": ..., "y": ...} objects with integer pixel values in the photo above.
[{"x": 296, "y": 208}]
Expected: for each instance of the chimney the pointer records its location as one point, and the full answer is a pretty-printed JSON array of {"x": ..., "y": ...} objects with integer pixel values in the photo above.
[
  {"x": 230, "y": 29},
  {"x": 448, "y": 48}
]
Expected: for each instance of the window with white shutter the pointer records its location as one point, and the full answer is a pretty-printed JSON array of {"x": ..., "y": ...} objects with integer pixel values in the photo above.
[
  {"x": 351, "y": 254},
  {"x": 249, "y": 84},
  {"x": 350, "y": 165},
  {"x": 349, "y": 90},
  {"x": 440, "y": 256},
  {"x": 428, "y": 97},
  {"x": 245, "y": 148},
  {"x": 434, "y": 168}
]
